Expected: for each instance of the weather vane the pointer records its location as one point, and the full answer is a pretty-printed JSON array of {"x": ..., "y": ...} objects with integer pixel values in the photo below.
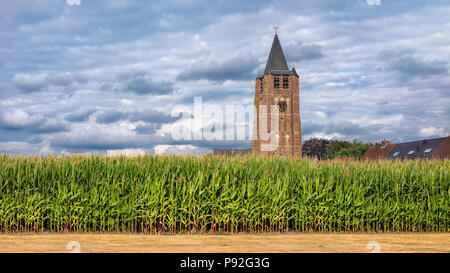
[{"x": 276, "y": 28}]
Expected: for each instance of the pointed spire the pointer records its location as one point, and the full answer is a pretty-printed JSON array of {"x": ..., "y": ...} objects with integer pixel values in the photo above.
[
  {"x": 294, "y": 71},
  {"x": 276, "y": 60}
]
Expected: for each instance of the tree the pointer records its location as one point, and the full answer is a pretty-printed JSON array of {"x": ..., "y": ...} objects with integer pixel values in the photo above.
[
  {"x": 315, "y": 147},
  {"x": 341, "y": 149}
]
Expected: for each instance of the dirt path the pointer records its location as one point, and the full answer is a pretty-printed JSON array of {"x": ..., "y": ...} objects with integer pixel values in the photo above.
[{"x": 411, "y": 242}]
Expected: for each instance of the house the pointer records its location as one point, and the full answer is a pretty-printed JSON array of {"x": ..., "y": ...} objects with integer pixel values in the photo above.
[
  {"x": 379, "y": 152},
  {"x": 438, "y": 148}
]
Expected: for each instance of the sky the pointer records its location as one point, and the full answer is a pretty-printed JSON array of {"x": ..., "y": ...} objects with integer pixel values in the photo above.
[{"x": 97, "y": 76}]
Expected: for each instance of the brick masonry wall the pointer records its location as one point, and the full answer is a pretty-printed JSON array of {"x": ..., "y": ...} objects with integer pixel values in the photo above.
[{"x": 290, "y": 135}]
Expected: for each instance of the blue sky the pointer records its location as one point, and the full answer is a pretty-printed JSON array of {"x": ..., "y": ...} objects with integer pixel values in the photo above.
[{"x": 104, "y": 75}]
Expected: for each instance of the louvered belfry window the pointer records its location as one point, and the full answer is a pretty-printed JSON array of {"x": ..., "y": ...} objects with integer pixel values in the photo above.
[
  {"x": 276, "y": 82},
  {"x": 285, "y": 83}
]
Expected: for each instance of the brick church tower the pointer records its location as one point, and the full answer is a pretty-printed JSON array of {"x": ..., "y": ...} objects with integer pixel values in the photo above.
[{"x": 277, "y": 94}]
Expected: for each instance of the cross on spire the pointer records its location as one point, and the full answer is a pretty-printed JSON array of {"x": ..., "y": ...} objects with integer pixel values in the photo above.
[{"x": 276, "y": 28}]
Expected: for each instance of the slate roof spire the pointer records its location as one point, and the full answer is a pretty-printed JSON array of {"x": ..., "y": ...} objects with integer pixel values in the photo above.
[{"x": 276, "y": 60}]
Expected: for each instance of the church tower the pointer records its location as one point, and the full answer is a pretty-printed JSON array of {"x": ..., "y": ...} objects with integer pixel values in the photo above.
[{"x": 277, "y": 94}]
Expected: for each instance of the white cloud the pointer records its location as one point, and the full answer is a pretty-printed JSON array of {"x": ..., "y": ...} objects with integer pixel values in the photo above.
[
  {"x": 126, "y": 102},
  {"x": 180, "y": 150},
  {"x": 46, "y": 150},
  {"x": 321, "y": 115},
  {"x": 391, "y": 120},
  {"x": 433, "y": 131},
  {"x": 126, "y": 152},
  {"x": 73, "y": 2},
  {"x": 16, "y": 147},
  {"x": 323, "y": 135},
  {"x": 19, "y": 119}
]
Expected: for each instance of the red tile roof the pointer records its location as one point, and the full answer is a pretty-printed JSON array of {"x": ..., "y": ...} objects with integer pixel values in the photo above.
[
  {"x": 378, "y": 152},
  {"x": 444, "y": 149}
]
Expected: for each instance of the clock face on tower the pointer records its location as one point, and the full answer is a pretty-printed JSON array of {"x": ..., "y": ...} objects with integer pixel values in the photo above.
[{"x": 282, "y": 105}]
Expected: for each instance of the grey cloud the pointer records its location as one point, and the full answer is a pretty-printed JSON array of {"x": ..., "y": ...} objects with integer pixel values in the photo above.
[
  {"x": 235, "y": 68},
  {"x": 66, "y": 79},
  {"x": 125, "y": 76},
  {"x": 404, "y": 62},
  {"x": 98, "y": 138},
  {"x": 80, "y": 115},
  {"x": 140, "y": 83},
  {"x": 32, "y": 83},
  {"x": 344, "y": 127},
  {"x": 111, "y": 116},
  {"x": 240, "y": 144},
  {"x": 106, "y": 87},
  {"x": 382, "y": 102},
  {"x": 150, "y": 116},
  {"x": 33, "y": 9},
  {"x": 29, "y": 83},
  {"x": 214, "y": 96},
  {"x": 149, "y": 128},
  {"x": 310, "y": 128},
  {"x": 50, "y": 126},
  {"x": 143, "y": 86},
  {"x": 300, "y": 52},
  {"x": 94, "y": 143}
]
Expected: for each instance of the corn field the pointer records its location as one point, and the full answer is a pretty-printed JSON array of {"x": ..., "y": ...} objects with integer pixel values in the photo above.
[{"x": 174, "y": 194}]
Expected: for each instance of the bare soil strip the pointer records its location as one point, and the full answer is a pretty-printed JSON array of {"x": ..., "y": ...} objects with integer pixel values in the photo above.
[{"x": 245, "y": 243}]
